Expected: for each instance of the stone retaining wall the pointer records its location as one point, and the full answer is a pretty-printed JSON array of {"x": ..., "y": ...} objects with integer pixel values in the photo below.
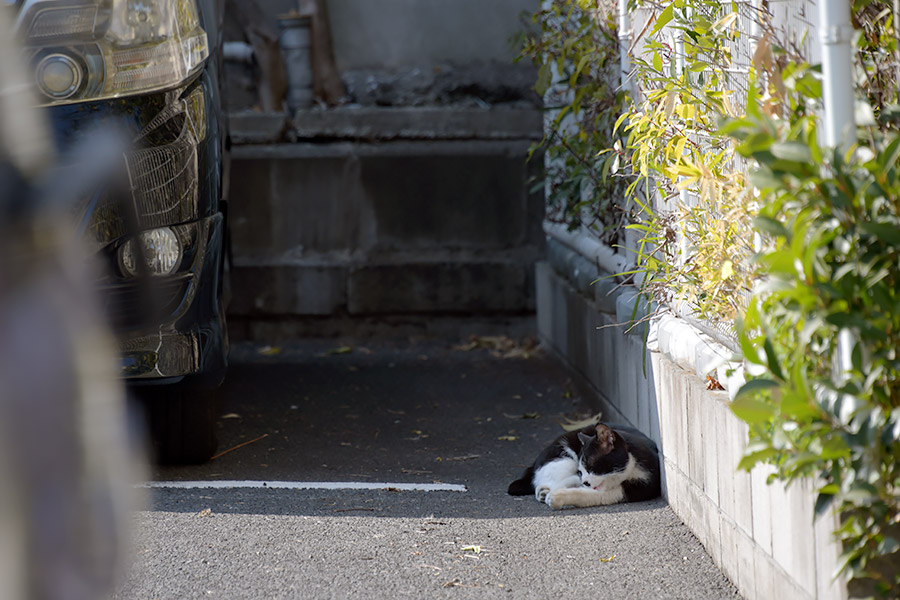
[{"x": 385, "y": 212}]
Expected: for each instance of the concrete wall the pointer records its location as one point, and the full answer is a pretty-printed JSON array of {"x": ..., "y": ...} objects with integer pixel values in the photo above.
[
  {"x": 418, "y": 220},
  {"x": 762, "y": 536},
  {"x": 395, "y": 34},
  {"x": 402, "y": 33}
]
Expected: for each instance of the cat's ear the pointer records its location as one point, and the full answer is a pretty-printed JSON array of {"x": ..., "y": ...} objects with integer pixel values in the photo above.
[
  {"x": 606, "y": 438},
  {"x": 585, "y": 439}
]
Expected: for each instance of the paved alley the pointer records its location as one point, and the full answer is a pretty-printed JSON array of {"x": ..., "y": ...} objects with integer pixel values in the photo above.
[{"x": 453, "y": 417}]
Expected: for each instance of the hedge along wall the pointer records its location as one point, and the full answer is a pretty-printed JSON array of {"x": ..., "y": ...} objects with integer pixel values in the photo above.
[{"x": 764, "y": 537}]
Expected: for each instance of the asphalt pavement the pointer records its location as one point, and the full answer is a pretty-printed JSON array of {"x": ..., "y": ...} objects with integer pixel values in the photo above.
[{"x": 344, "y": 412}]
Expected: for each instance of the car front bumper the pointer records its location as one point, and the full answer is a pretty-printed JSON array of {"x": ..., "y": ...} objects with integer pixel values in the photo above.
[
  {"x": 170, "y": 327},
  {"x": 188, "y": 325}
]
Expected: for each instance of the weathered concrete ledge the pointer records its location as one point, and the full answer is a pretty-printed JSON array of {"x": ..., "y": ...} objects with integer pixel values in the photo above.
[
  {"x": 254, "y": 127},
  {"x": 250, "y": 127},
  {"x": 430, "y": 123},
  {"x": 762, "y": 536}
]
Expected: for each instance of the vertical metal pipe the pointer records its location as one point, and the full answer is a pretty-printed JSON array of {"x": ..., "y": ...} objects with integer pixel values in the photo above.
[
  {"x": 837, "y": 70},
  {"x": 624, "y": 43},
  {"x": 838, "y": 92}
]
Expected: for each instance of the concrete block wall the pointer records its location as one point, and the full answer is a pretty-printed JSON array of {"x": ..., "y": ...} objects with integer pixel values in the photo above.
[
  {"x": 421, "y": 225},
  {"x": 763, "y": 537}
]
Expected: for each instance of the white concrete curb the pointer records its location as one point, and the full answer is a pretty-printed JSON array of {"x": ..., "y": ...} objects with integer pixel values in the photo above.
[
  {"x": 588, "y": 247},
  {"x": 675, "y": 338}
]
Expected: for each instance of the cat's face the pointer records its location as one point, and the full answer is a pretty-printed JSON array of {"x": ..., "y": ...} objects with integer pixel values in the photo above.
[{"x": 603, "y": 455}]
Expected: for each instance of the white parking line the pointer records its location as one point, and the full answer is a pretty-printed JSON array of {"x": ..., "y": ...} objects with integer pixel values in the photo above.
[{"x": 308, "y": 485}]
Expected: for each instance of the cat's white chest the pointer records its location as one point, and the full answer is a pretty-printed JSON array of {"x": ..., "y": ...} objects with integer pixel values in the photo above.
[{"x": 558, "y": 473}]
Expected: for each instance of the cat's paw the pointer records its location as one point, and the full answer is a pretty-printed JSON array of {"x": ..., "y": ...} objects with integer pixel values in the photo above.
[
  {"x": 541, "y": 493},
  {"x": 558, "y": 499}
]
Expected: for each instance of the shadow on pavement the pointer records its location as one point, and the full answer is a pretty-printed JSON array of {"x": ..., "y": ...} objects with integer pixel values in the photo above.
[{"x": 397, "y": 413}]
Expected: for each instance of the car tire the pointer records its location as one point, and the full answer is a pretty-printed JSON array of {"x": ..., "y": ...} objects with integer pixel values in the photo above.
[{"x": 181, "y": 423}]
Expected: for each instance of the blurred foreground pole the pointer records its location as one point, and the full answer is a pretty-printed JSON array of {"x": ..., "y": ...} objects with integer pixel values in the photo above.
[{"x": 65, "y": 462}]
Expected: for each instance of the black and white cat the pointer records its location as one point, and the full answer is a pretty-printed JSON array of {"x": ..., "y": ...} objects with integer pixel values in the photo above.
[{"x": 599, "y": 464}]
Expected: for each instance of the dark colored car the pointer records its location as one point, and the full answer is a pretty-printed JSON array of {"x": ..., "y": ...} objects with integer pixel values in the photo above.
[{"x": 150, "y": 68}]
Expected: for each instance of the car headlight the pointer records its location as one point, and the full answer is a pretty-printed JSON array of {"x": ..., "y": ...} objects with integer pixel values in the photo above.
[
  {"x": 95, "y": 49},
  {"x": 161, "y": 249}
]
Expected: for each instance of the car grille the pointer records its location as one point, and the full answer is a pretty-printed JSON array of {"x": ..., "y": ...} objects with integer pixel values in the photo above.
[
  {"x": 163, "y": 177},
  {"x": 132, "y": 306},
  {"x": 164, "y": 182}
]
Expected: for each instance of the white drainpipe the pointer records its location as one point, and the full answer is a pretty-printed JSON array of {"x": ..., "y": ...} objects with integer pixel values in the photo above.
[
  {"x": 838, "y": 93},
  {"x": 835, "y": 34},
  {"x": 624, "y": 44}
]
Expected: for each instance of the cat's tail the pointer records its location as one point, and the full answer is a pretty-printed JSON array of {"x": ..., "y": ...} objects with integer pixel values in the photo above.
[{"x": 523, "y": 486}]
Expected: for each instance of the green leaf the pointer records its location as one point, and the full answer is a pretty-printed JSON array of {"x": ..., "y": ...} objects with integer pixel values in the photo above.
[
  {"x": 544, "y": 78},
  {"x": 834, "y": 447},
  {"x": 754, "y": 386},
  {"x": 885, "y": 232},
  {"x": 750, "y": 409},
  {"x": 795, "y": 167},
  {"x": 771, "y": 226},
  {"x": 663, "y": 19},
  {"x": 756, "y": 142},
  {"x": 890, "y": 156},
  {"x": 792, "y": 151},
  {"x": 772, "y": 359},
  {"x": 780, "y": 262},
  {"x": 797, "y": 407},
  {"x": 888, "y": 546},
  {"x": 698, "y": 66},
  {"x": 809, "y": 86},
  {"x": 748, "y": 461},
  {"x": 860, "y": 493},
  {"x": 823, "y": 501},
  {"x": 578, "y": 69},
  {"x": 749, "y": 351},
  {"x": 764, "y": 179},
  {"x": 620, "y": 120}
]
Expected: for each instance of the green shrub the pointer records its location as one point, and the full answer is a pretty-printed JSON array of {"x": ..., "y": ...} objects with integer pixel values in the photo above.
[
  {"x": 819, "y": 231},
  {"x": 575, "y": 49},
  {"x": 831, "y": 269}
]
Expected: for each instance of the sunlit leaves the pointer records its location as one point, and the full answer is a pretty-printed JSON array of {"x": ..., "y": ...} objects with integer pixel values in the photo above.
[{"x": 831, "y": 262}]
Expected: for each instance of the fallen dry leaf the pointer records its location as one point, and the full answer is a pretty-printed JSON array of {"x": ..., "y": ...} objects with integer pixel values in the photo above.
[
  {"x": 269, "y": 350},
  {"x": 206, "y": 512},
  {"x": 570, "y": 425},
  {"x": 464, "y": 457},
  {"x": 338, "y": 350},
  {"x": 473, "y": 548},
  {"x": 508, "y": 438},
  {"x": 713, "y": 384},
  {"x": 528, "y": 415},
  {"x": 501, "y": 346},
  {"x": 608, "y": 559}
]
